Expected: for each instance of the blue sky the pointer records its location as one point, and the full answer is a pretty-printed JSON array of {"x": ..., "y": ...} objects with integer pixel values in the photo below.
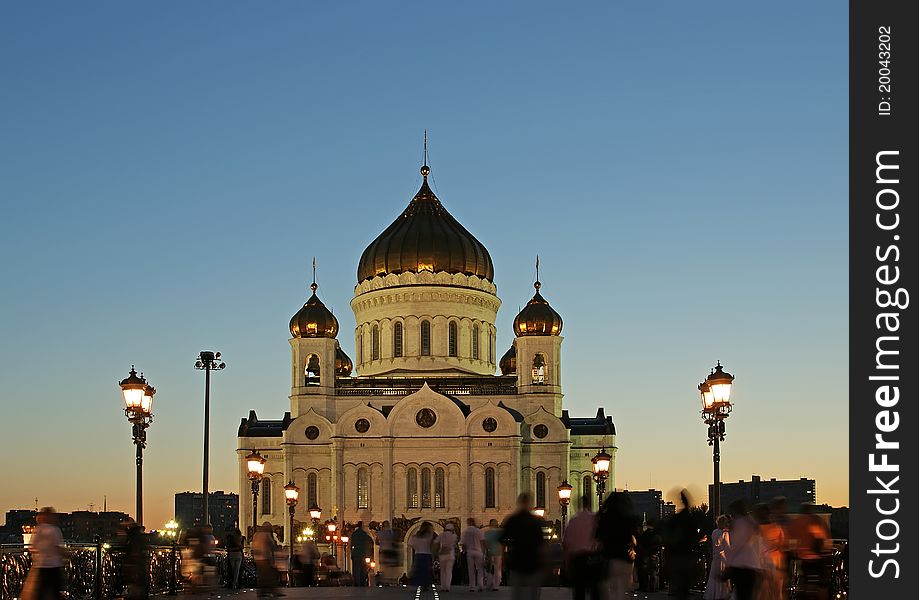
[{"x": 167, "y": 171}]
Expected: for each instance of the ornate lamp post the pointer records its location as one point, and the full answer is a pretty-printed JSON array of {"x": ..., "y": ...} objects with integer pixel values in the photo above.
[
  {"x": 601, "y": 463},
  {"x": 332, "y": 537},
  {"x": 716, "y": 407},
  {"x": 172, "y": 532},
  {"x": 292, "y": 494},
  {"x": 138, "y": 408},
  {"x": 255, "y": 464},
  {"x": 207, "y": 362},
  {"x": 564, "y": 498}
]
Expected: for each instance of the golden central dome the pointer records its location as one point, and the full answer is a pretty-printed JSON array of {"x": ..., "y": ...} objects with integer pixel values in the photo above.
[{"x": 425, "y": 237}]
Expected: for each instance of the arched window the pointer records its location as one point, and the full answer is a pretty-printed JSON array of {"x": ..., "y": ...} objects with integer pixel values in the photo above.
[
  {"x": 397, "y": 339},
  {"x": 311, "y": 370},
  {"x": 360, "y": 347},
  {"x": 425, "y": 338},
  {"x": 411, "y": 484},
  {"x": 587, "y": 490},
  {"x": 451, "y": 338},
  {"x": 540, "y": 490},
  {"x": 363, "y": 488},
  {"x": 312, "y": 490},
  {"x": 489, "y": 488},
  {"x": 375, "y": 343},
  {"x": 491, "y": 346},
  {"x": 265, "y": 494},
  {"x": 425, "y": 488},
  {"x": 475, "y": 342},
  {"x": 440, "y": 491},
  {"x": 539, "y": 369}
]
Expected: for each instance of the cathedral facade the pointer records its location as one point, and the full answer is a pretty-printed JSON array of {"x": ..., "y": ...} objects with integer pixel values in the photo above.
[{"x": 425, "y": 429}]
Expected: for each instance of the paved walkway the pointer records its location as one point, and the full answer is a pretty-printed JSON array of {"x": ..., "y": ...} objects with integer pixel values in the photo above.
[{"x": 402, "y": 593}]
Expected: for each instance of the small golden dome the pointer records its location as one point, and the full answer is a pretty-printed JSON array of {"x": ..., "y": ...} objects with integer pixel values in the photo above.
[
  {"x": 343, "y": 363},
  {"x": 508, "y": 362},
  {"x": 537, "y": 317},
  {"x": 314, "y": 320}
]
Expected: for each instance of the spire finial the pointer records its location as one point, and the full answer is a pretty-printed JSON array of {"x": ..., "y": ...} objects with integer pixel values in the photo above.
[
  {"x": 313, "y": 285},
  {"x": 425, "y": 169},
  {"x": 536, "y": 284}
]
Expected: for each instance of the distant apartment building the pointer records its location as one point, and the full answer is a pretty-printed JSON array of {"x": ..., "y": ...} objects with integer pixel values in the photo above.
[
  {"x": 78, "y": 526},
  {"x": 223, "y": 510},
  {"x": 757, "y": 490}
]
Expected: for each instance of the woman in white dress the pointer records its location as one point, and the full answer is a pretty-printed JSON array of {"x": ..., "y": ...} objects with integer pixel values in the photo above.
[{"x": 717, "y": 588}]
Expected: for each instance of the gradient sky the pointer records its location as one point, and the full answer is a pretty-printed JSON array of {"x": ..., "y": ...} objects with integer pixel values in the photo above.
[{"x": 167, "y": 171}]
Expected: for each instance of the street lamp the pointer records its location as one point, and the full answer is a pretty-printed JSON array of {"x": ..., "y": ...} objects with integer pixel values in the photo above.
[
  {"x": 138, "y": 408},
  {"x": 601, "y": 464},
  {"x": 564, "y": 498},
  {"x": 292, "y": 494},
  {"x": 315, "y": 514},
  {"x": 715, "y": 393},
  {"x": 207, "y": 362},
  {"x": 255, "y": 464}
]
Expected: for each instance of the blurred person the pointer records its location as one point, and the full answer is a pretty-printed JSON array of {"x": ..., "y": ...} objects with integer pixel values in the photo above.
[
  {"x": 473, "y": 541},
  {"x": 774, "y": 546},
  {"x": 446, "y": 556},
  {"x": 682, "y": 538},
  {"x": 206, "y": 557},
  {"x": 717, "y": 588},
  {"x": 388, "y": 540},
  {"x": 647, "y": 558},
  {"x": 525, "y": 544},
  {"x": 744, "y": 552},
  {"x": 809, "y": 535},
  {"x": 307, "y": 557},
  {"x": 361, "y": 549},
  {"x": 234, "y": 558},
  {"x": 616, "y": 529},
  {"x": 494, "y": 554},
  {"x": 263, "y": 551},
  {"x": 46, "y": 577},
  {"x": 583, "y": 564},
  {"x": 422, "y": 544}
]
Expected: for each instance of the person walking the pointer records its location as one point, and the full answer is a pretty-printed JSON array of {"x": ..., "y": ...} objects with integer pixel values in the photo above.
[
  {"x": 234, "y": 558},
  {"x": 46, "y": 549},
  {"x": 648, "y": 558},
  {"x": 263, "y": 551},
  {"x": 616, "y": 529},
  {"x": 682, "y": 540},
  {"x": 446, "y": 556},
  {"x": 494, "y": 554},
  {"x": 473, "y": 541},
  {"x": 422, "y": 544},
  {"x": 361, "y": 549},
  {"x": 308, "y": 557},
  {"x": 388, "y": 540},
  {"x": 526, "y": 546},
  {"x": 581, "y": 553},
  {"x": 717, "y": 588},
  {"x": 744, "y": 554}
]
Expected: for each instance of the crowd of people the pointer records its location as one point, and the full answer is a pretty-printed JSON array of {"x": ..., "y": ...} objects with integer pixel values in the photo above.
[
  {"x": 607, "y": 555},
  {"x": 757, "y": 555}
]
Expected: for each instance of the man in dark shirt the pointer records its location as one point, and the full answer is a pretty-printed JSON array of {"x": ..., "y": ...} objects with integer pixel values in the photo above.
[
  {"x": 525, "y": 549},
  {"x": 361, "y": 548}
]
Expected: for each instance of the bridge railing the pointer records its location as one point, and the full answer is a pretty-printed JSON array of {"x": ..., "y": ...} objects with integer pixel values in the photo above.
[{"x": 97, "y": 571}]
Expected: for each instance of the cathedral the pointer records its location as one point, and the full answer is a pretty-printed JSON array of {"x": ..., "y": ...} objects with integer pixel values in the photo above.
[{"x": 425, "y": 429}]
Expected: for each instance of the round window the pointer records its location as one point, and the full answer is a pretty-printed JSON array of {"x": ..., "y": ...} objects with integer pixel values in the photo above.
[
  {"x": 362, "y": 425},
  {"x": 312, "y": 432},
  {"x": 540, "y": 431},
  {"x": 426, "y": 417},
  {"x": 489, "y": 424}
]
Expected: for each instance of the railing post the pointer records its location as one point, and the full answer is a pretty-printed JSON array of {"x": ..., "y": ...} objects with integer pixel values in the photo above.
[
  {"x": 172, "y": 569},
  {"x": 97, "y": 576}
]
